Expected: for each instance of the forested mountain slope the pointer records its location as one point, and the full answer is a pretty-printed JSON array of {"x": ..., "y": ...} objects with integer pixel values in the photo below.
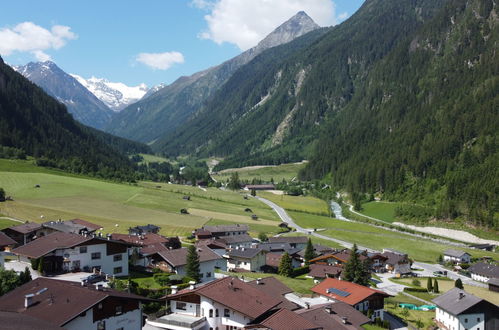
[
  {"x": 33, "y": 121},
  {"x": 163, "y": 111},
  {"x": 272, "y": 109},
  {"x": 424, "y": 125}
]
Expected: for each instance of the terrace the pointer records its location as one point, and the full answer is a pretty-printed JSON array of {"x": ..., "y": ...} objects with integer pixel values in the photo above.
[{"x": 178, "y": 322}]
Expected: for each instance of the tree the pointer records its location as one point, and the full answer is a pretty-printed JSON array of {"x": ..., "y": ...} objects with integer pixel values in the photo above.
[
  {"x": 440, "y": 259},
  {"x": 253, "y": 192},
  {"x": 262, "y": 237},
  {"x": 459, "y": 284},
  {"x": 285, "y": 265},
  {"x": 40, "y": 266},
  {"x": 192, "y": 266},
  {"x": 429, "y": 285},
  {"x": 356, "y": 271},
  {"x": 435, "y": 286},
  {"x": 309, "y": 252},
  {"x": 9, "y": 280},
  {"x": 234, "y": 183},
  {"x": 25, "y": 277},
  {"x": 2, "y": 195}
]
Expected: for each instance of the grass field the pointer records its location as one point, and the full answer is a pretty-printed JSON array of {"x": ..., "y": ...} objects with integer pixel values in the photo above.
[
  {"x": 380, "y": 210},
  {"x": 297, "y": 203},
  {"x": 412, "y": 316},
  {"x": 153, "y": 158},
  {"x": 278, "y": 173},
  {"x": 119, "y": 206},
  {"x": 5, "y": 223}
]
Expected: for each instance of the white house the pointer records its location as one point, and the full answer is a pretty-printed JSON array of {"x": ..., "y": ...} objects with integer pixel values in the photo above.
[
  {"x": 71, "y": 306},
  {"x": 68, "y": 252},
  {"x": 457, "y": 256},
  {"x": 460, "y": 310},
  {"x": 483, "y": 272},
  {"x": 175, "y": 261},
  {"x": 248, "y": 259}
]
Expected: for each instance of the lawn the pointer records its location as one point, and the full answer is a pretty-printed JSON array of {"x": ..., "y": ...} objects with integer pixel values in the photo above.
[
  {"x": 297, "y": 203},
  {"x": 277, "y": 173},
  {"x": 154, "y": 159},
  {"x": 254, "y": 226},
  {"x": 410, "y": 316},
  {"x": 5, "y": 223},
  {"x": 380, "y": 210}
]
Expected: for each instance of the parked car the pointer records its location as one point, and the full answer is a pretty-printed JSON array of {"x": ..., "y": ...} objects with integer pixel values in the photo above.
[
  {"x": 440, "y": 273},
  {"x": 94, "y": 278}
]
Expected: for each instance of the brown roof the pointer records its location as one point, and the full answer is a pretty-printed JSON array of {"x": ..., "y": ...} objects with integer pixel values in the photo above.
[
  {"x": 20, "y": 321},
  {"x": 61, "y": 302},
  {"x": 86, "y": 223},
  {"x": 6, "y": 240},
  {"x": 352, "y": 293},
  {"x": 341, "y": 256},
  {"x": 275, "y": 288},
  {"x": 235, "y": 294},
  {"x": 285, "y": 319},
  {"x": 178, "y": 257},
  {"x": 273, "y": 259},
  {"x": 394, "y": 258},
  {"x": 153, "y": 248},
  {"x": 26, "y": 228},
  {"x": 223, "y": 228},
  {"x": 49, "y": 243},
  {"x": 142, "y": 240},
  {"x": 321, "y": 271},
  {"x": 333, "y": 320},
  {"x": 289, "y": 239},
  {"x": 211, "y": 243}
]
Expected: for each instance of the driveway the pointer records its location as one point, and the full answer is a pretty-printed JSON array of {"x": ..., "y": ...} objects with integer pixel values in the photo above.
[
  {"x": 388, "y": 286},
  {"x": 20, "y": 266},
  {"x": 428, "y": 270}
]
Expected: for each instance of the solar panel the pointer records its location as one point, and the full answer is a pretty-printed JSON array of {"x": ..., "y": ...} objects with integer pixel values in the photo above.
[{"x": 338, "y": 292}]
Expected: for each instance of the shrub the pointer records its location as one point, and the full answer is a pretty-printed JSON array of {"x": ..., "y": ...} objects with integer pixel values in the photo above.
[
  {"x": 415, "y": 289},
  {"x": 416, "y": 282},
  {"x": 300, "y": 271},
  {"x": 162, "y": 278}
]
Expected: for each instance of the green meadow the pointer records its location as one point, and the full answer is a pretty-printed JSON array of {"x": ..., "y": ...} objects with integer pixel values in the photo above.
[
  {"x": 264, "y": 173},
  {"x": 384, "y": 211}
]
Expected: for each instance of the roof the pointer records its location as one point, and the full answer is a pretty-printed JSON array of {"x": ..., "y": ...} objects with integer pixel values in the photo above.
[
  {"x": 49, "y": 243},
  {"x": 26, "y": 228},
  {"x": 153, "y": 248},
  {"x": 224, "y": 228},
  {"x": 71, "y": 226},
  {"x": 260, "y": 186},
  {"x": 248, "y": 253},
  {"x": 236, "y": 238},
  {"x": 455, "y": 253},
  {"x": 86, "y": 223},
  {"x": 178, "y": 257},
  {"x": 484, "y": 269},
  {"x": 394, "y": 258},
  {"x": 289, "y": 239},
  {"x": 321, "y": 271},
  {"x": 333, "y": 320},
  {"x": 145, "y": 239},
  {"x": 211, "y": 243},
  {"x": 318, "y": 250},
  {"x": 6, "y": 240},
  {"x": 275, "y": 288},
  {"x": 61, "y": 302},
  {"x": 341, "y": 256},
  {"x": 353, "y": 293},
  {"x": 285, "y": 319},
  {"x": 456, "y": 301},
  {"x": 273, "y": 259},
  {"x": 20, "y": 321},
  {"x": 235, "y": 294}
]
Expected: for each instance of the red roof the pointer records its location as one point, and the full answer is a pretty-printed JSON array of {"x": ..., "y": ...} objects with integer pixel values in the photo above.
[
  {"x": 354, "y": 293},
  {"x": 6, "y": 240},
  {"x": 285, "y": 319}
]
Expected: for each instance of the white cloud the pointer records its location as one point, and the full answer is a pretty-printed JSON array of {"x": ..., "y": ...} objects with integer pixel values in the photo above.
[
  {"x": 244, "y": 23},
  {"x": 29, "y": 37},
  {"x": 161, "y": 61}
]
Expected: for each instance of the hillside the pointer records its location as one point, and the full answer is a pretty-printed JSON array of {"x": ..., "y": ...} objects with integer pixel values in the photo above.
[
  {"x": 424, "y": 125},
  {"x": 36, "y": 123},
  {"x": 160, "y": 113},
  {"x": 272, "y": 109}
]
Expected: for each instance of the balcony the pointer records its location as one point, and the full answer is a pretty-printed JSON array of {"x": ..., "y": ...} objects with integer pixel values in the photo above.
[{"x": 177, "y": 321}]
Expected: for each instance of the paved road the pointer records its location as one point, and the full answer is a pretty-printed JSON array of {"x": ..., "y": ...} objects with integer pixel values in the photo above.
[
  {"x": 395, "y": 323},
  {"x": 286, "y": 218},
  {"x": 428, "y": 270}
]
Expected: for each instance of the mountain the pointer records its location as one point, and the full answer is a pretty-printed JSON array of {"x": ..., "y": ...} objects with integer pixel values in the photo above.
[
  {"x": 160, "y": 113},
  {"x": 41, "y": 126},
  {"x": 153, "y": 90},
  {"x": 116, "y": 96},
  {"x": 85, "y": 107},
  {"x": 272, "y": 109},
  {"x": 423, "y": 127}
]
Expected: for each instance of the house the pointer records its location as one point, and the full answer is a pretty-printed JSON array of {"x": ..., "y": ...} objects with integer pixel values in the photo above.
[
  {"x": 484, "y": 247},
  {"x": 457, "y": 256},
  {"x": 51, "y": 303},
  {"x": 359, "y": 297},
  {"x": 24, "y": 233},
  {"x": 335, "y": 316},
  {"x": 273, "y": 260},
  {"x": 319, "y": 272},
  {"x": 378, "y": 262},
  {"x": 234, "y": 241},
  {"x": 396, "y": 262},
  {"x": 275, "y": 288},
  {"x": 175, "y": 261},
  {"x": 458, "y": 309},
  {"x": 482, "y": 271},
  {"x": 6, "y": 243},
  {"x": 245, "y": 259},
  {"x": 64, "y": 252},
  {"x": 76, "y": 226},
  {"x": 220, "y": 230},
  {"x": 336, "y": 258},
  {"x": 249, "y": 187},
  {"x": 141, "y": 230},
  {"x": 284, "y": 319},
  {"x": 319, "y": 250},
  {"x": 227, "y": 303},
  {"x": 216, "y": 245},
  {"x": 299, "y": 242},
  {"x": 493, "y": 284}
]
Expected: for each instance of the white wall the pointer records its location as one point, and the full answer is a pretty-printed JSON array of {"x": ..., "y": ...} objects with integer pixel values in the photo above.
[
  {"x": 128, "y": 321},
  {"x": 236, "y": 319},
  {"x": 464, "y": 259},
  {"x": 205, "y": 267},
  {"x": 479, "y": 278},
  {"x": 458, "y": 323}
]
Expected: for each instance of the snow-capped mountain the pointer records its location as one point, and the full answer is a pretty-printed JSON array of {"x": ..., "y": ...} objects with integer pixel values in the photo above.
[
  {"x": 153, "y": 90},
  {"x": 116, "y": 96}
]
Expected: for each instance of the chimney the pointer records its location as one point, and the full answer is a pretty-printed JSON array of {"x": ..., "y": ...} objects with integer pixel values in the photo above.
[
  {"x": 258, "y": 280},
  {"x": 82, "y": 283},
  {"x": 28, "y": 300},
  {"x": 307, "y": 305},
  {"x": 329, "y": 310},
  {"x": 174, "y": 289},
  {"x": 192, "y": 285},
  {"x": 99, "y": 287},
  {"x": 461, "y": 295},
  {"x": 344, "y": 319}
]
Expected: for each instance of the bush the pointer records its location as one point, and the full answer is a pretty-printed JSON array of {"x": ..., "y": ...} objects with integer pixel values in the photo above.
[
  {"x": 415, "y": 289},
  {"x": 416, "y": 282},
  {"x": 300, "y": 271},
  {"x": 162, "y": 278}
]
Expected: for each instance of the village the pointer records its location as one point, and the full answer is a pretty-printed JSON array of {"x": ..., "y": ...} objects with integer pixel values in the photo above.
[{"x": 226, "y": 279}]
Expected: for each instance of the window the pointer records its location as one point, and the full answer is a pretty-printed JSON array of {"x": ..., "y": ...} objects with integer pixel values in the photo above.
[
  {"x": 181, "y": 305},
  {"x": 465, "y": 320},
  {"x": 117, "y": 270},
  {"x": 478, "y": 319},
  {"x": 216, "y": 312},
  {"x": 83, "y": 249},
  {"x": 211, "y": 313},
  {"x": 117, "y": 257},
  {"x": 101, "y": 325},
  {"x": 208, "y": 274},
  {"x": 119, "y": 310},
  {"x": 226, "y": 312},
  {"x": 95, "y": 255}
]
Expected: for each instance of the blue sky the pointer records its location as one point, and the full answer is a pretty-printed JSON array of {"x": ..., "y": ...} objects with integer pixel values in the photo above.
[{"x": 150, "y": 41}]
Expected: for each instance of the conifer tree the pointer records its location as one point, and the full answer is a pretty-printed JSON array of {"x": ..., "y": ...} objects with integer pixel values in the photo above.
[
  {"x": 356, "y": 271},
  {"x": 429, "y": 285},
  {"x": 309, "y": 252},
  {"x": 435, "y": 286},
  {"x": 192, "y": 267},
  {"x": 2, "y": 195},
  {"x": 459, "y": 284},
  {"x": 285, "y": 265}
]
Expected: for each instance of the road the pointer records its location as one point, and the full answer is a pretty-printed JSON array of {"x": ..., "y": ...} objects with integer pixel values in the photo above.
[
  {"x": 286, "y": 218},
  {"x": 428, "y": 270}
]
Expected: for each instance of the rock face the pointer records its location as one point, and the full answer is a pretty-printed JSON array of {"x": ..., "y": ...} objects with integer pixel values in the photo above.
[
  {"x": 116, "y": 96},
  {"x": 162, "y": 112},
  {"x": 80, "y": 102}
]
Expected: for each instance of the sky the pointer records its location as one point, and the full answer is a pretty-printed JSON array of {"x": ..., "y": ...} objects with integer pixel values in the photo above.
[{"x": 149, "y": 41}]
